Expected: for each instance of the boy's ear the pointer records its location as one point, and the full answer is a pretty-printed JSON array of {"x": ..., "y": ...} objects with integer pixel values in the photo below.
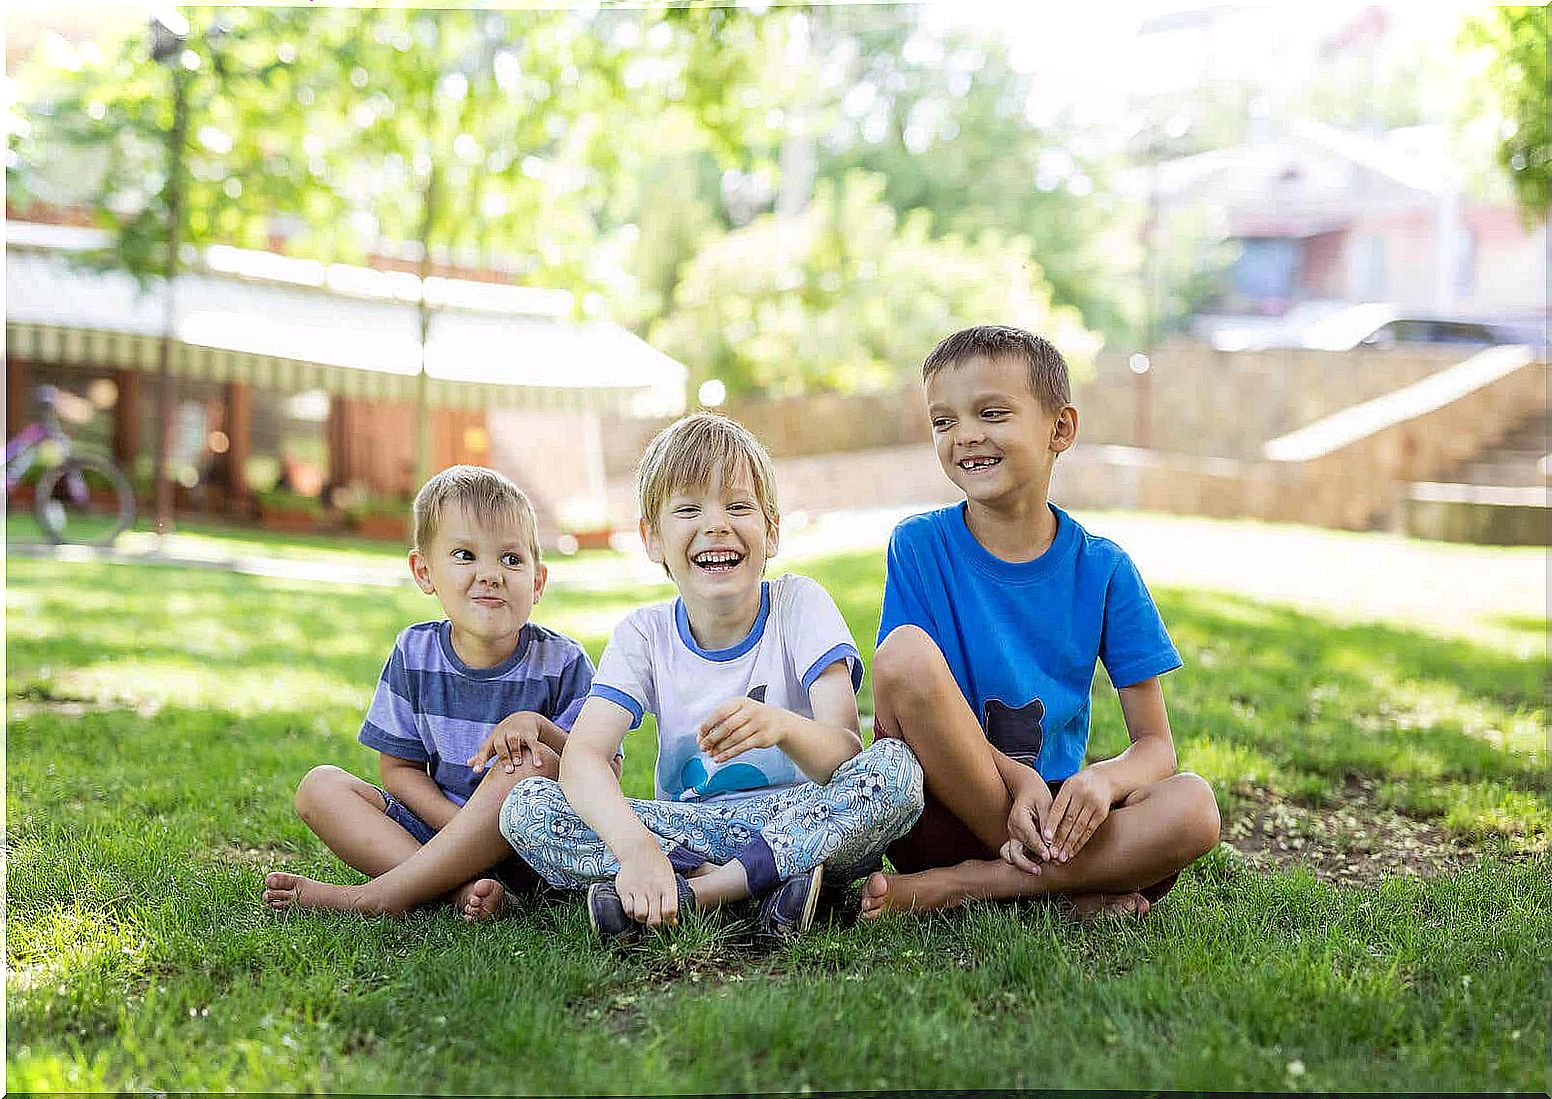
[
  {"x": 541, "y": 577},
  {"x": 773, "y": 537},
  {"x": 421, "y": 571},
  {"x": 1065, "y": 431},
  {"x": 650, "y": 539}
]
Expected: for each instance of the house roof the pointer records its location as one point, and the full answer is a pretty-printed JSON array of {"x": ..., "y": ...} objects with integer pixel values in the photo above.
[
  {"x": 1309, "y": 178},
  {"x": 288, "y": 324}
]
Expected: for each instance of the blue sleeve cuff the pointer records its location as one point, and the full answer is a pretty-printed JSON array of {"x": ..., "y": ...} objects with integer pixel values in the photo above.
[
  {"x": 1139, "y": 670},
  {"x": 620, "y": 699},
  {"x": 381, "y": 740},
  {"x": 844, "y": 651}
]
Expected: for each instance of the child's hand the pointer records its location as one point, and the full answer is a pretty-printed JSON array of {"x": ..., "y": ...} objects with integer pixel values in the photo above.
[
  {"x": 1031, "y": 809},
  {"x": 647, "y": 887},
  {"x": 514, "y": 737},
  {"x": 739, "y": 725},
  {"x": 1081, "y": 806}
]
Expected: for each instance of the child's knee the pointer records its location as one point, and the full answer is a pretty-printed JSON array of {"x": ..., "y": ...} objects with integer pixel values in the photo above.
[
  {"x": 899, "y": 769},
  {"x": 530, "y": 808},
  {"x": 904, "y": 664},
  {"x": 1202, "y": 821},
  {"x": 319, "y": 788}
]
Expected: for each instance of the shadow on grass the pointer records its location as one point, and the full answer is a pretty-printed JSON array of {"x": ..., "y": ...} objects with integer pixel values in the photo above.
[{"x": 277, "y": 674}]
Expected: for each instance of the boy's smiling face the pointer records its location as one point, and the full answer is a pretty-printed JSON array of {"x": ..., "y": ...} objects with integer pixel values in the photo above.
[
  {"x": 714, "y": 540},
  {"x": 994, "y": 437},
  {"x": 483, "y": 573}
]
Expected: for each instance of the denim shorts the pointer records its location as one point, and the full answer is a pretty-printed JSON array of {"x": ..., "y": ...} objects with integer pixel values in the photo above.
[{"x": 512, "y": 872}]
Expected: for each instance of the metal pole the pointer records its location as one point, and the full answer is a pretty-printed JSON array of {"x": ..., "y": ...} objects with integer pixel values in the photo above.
[
  {"x": 180, "y": 125},
  {"x": 1141, "y": 365},
  {"x": 430, "y": 213}
]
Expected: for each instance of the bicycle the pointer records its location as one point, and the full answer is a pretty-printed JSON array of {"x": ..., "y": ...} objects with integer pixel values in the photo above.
[{"x": 79, "y": 496}]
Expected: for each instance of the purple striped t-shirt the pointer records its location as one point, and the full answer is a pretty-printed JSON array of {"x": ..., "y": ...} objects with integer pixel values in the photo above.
[{"x": 433, "y": 708}]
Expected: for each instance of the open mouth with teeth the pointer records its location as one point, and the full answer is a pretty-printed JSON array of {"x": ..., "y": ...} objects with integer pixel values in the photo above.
[
  {"x": 978, "y": 463},
  {"x": 717, "y": 561}
]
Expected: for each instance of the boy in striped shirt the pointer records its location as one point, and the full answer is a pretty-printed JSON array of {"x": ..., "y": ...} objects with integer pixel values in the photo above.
[{"x": 483, "y": 676}]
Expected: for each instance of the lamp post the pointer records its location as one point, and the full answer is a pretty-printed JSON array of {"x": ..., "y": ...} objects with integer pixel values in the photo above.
[{"x": 169, "y": 33}]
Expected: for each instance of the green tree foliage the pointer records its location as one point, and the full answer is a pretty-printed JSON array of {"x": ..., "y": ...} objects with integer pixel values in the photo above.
[
  {"x": 90, "y": 130},
  {"x": 945, "y": 122},
  {"x": 847, "y": 295},
  {"x": 1519, "y": 40}
]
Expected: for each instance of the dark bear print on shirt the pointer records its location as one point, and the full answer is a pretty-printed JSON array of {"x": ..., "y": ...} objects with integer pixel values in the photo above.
[
  {"x": 758, "y": 693},
  {"x": 1017, "y": 734}
]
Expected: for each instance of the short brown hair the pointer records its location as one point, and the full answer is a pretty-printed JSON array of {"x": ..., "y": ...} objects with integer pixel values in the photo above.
[
  {"x": 490, "y": 496},
  {"x": 1047, "y": 369},
  {"x": 688, "y": 451}
]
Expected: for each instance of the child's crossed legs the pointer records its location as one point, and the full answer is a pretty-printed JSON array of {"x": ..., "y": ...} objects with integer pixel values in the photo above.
[
  {"x": 1148, "y": 837},
  {"x": 733, "y": 849},
  {"x": 359, "y": 823}
]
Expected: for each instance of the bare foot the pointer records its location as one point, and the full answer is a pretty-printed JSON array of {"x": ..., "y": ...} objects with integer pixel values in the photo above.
[
  {"x": 294, "y": 891},
  {"x": 480, "y": 900},
  {"x": 1091, "y": 906},
  {"x": 919, "y": 892}
]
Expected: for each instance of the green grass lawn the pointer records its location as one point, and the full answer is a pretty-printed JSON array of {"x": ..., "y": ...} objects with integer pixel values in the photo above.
[{"x": 158, "y": 720}]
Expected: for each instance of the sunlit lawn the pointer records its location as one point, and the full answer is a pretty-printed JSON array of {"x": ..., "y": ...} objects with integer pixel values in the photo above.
[{"x": 158, "y": 720}]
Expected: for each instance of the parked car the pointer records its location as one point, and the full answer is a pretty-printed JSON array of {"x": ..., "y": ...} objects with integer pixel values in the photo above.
[{"x": 1323, "y": 328}]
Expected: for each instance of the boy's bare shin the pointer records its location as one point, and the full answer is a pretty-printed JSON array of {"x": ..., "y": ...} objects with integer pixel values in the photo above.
[
  {"x": 469, "y": 845},
  {"x": 1154, "y": 833},
  {"x": 917, "y": 700}
]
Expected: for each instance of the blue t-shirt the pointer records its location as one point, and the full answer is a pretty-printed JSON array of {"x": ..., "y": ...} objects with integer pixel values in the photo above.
[
  {"x": 1022, "y": 639},
  {"x": 433, "y": 708}
]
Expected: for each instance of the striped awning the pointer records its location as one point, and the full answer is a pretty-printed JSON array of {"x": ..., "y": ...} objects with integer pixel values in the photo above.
[
  {"x": 292, "y": 338},
  {"x": 96, "y": 347}
]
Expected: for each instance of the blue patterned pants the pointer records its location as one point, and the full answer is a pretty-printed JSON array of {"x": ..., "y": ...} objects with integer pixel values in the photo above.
[{"x": 872, "y": 800}]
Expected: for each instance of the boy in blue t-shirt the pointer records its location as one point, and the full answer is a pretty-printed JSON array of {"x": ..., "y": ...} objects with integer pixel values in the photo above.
[
  {"x": 484, "y": 680},
  {"x": 995, "y": 612}
]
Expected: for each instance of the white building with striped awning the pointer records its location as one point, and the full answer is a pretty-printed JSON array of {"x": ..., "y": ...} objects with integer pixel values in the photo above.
[{"x": 513, "y": 361}]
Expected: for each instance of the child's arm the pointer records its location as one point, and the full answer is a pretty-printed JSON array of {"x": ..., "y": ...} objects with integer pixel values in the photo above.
[
  {"x": 591, "y": 784},
  {"x": 1085, "y": 799},
  {"x": 818, "y": 745},
  {"x": 408, "y": 781}
]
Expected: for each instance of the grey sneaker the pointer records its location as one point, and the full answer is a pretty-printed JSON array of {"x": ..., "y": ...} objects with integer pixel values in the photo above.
[
  {"x": 788, "y": 910},
  {"x": 607, "y": 916}
]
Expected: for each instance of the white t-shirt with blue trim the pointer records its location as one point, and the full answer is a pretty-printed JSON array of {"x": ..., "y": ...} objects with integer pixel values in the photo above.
[{"x": 653, "y": 665}]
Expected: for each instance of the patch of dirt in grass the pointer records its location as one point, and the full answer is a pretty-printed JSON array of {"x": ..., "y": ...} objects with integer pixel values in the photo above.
[{"x": 1356, "y": 841}]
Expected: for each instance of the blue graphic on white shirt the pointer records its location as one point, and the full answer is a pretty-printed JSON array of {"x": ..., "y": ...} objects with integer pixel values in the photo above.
[{"x": 702, "y": 776}]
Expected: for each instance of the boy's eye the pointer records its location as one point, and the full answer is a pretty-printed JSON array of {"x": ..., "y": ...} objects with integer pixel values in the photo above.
[
  {"x": 942, "y": 423},
  {"x": 686, "y": 511},
  {"x": 512, "y": 560},
  {"x": 994, "y": 413},
  {"x": 741, "y": 509},
  {"x": 462, "y": 555}
]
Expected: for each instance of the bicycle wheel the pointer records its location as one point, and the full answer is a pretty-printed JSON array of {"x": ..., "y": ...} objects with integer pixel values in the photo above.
[{"x": 85, "y": 500}]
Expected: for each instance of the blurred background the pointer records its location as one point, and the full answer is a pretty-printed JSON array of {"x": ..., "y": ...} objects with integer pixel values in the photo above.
[{"x": 298, "y": 257}]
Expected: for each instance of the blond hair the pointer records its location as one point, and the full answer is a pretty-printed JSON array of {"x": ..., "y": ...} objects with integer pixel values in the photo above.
[
  {"x": 686, "y": 453},
  {"x": 488, "y": 495}
]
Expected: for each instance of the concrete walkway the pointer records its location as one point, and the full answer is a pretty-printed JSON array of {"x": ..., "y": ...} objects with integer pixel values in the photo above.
[{"x": 1355, "y": 575}]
